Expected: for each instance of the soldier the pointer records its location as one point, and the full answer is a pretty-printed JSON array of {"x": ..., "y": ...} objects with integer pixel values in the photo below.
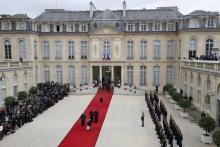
[
  {"x": 101, "y": 100},
  {"x": 89, "y": 124},
  {"x": 96, "y": 116},
  {"x": 91, "y": 116},
  {"x": 142, "y": 118},
  {"x": 83, "y": 118}
]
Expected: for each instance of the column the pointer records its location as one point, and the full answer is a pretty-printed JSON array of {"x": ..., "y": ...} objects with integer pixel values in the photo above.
[
  {"x": 112, "y": 73},
  {"x": 100, "y": 72}
]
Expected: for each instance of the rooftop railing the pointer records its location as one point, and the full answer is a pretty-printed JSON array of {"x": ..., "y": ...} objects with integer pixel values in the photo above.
[{"x": 13, "y": 64}]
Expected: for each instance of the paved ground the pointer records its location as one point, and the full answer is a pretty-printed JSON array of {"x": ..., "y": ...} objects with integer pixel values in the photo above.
[
  {"x": 191, "y": 131},
  {"x": 121, "y": 128},
  {"x": 49, "y": 128}
]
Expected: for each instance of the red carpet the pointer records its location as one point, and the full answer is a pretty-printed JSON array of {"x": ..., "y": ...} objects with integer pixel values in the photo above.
[{"x": 78, "y": 136}]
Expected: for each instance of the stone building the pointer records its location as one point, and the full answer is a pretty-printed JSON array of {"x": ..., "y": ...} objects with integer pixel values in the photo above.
[{"x": 143, "y": 47}]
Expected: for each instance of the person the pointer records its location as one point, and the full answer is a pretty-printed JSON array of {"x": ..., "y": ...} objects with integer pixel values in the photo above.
[
  {"x": 89, "y": 124},
  {"x": 203, "y": 114},
  {"x": 83, "y": 118},
  {"x": 101, "y": 100},
  {"x": 91, "y": 115},
  {"x": 96, "y": 116},
  {"x": 142, "y": 118}
]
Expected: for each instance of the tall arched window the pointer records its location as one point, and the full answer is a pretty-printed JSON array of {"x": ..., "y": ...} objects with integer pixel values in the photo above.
[
  {"x": 209, "y": 47},
  {"x": 106, "y": 50},
  {"x": 22, "y": 49},
  {"x": 7, "y": 49},
  {"x": 72, "y": 75},
  {"x": 192, "y": 48},
  {"x": 59, "y": 73},
  {"x": 46, "y": 73}
]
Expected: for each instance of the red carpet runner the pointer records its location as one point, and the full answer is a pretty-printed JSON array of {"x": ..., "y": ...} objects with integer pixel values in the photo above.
[{"x": 78, "y": 136}]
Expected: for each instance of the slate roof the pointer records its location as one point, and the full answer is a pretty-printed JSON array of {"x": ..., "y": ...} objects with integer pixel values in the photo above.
[
  {"x": 20, "y": 16},
  {"x": 169, "y": 13},
  {"x": 202, "y": 13}
]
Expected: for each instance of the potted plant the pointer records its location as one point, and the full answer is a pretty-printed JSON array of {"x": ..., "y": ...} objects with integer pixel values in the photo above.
[
  {"x": 207, "y": 123},
  {"x": 183, "y": 103},
  {"x": 10, "y": 102},
  {"x": 216, "y": 137},
  {"x": 22, "y": 96}
]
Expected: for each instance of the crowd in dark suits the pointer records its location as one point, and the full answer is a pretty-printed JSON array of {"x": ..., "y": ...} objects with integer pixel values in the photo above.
[
  {"x": 47, "y": 95},
  {"x": 158, "y": 112},
  {"x": 206, "y": 57}
]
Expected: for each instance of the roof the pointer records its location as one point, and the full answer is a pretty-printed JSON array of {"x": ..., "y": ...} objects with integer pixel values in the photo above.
[
  {"x": 20, "y": 16},
  {"x": 202, "y": 13},
  {"x": 165, "y": 13}
]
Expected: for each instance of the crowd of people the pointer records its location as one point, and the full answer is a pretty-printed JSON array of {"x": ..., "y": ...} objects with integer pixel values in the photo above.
[
  {"x": 213, "y": 57},
  {"x": 47, "y": 94},
  {"x": 158, "y": 112}
]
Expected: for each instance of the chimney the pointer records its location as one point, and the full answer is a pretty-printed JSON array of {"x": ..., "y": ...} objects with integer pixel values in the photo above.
[
  {"x": 124, "y": 8},
  {"x": 92, "y": 9}
]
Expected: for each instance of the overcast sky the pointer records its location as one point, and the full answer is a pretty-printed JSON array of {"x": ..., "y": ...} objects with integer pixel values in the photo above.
[{"x": 34, "y": 7}]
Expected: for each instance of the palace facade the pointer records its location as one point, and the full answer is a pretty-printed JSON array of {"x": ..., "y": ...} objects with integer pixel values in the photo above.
[{"x": 143, "y": 47}]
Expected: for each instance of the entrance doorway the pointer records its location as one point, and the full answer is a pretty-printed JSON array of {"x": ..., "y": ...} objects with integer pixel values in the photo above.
[
  {"x": 95, "y": 73},
  {"x": 117, "y": 75},
  {"x": 106, "y": 73}
]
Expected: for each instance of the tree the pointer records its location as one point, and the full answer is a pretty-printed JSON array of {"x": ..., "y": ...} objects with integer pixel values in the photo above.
[
  {"x": 184, "y": 104},
  {"x": 22, "y": 95},
  {"x": 207, "y": 123},
  {"x": 176, "y": 96},
  {"x": 216, "y": 137},
  {"x": 10, "y": 101},
  {"x": 33, "y": 90},
  {"x": 172, "y": 91}
]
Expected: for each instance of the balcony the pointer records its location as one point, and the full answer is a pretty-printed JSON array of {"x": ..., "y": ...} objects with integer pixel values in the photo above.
[
  {"x": 84, "y": 57},
  {"x": 130, "y": 58},
  {"x": 208, "y": 66},
  {"x": 143, "y": 58},
  {"x": 14, "y": 64},
  {"x": 71, "y": 58},
  {"x": 106, "y": 57}
]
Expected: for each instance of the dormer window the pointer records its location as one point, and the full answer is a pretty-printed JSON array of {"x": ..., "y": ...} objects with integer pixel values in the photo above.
[
  {"x": 143, "y": 26},
  {"x": 170, "y": 27},
  {"x": 21, "y": 25},
  {"x": 210, "y": 23},
  {"x": 83, "y": 28},
  {"x": 6, "y": 25},
  {"x": 194, "y": 23},
  {"x": 45, "y": 28},
  {"x": 130, "y": 26},
  {"x": 57, "y": 28},
  {"x": 157, "y": 27}
]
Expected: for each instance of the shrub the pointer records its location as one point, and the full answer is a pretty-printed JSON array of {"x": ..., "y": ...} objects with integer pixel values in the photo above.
[
  {"x": 22, "y": 95},
  {"x": 216, "y": 137},
  {"x": 184, "y": 103},
  {"x": 10, "y": 101},
  {"x": 172, "y": 91},
  {"x": 167, "y": 87},
  {"x": 207, "y": 123},
  {"x": 33, "y": 90},
  {"x": 176, "y": 96}
]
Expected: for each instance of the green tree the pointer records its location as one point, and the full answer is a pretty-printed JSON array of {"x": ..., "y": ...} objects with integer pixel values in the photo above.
[
  {"x": 33, "y": 90},
  {"x": 22, "y": 95},
  {"x": 9, "y": 101},
  {"x": 207, "y": 123},
  {"x": 216, "y": 137},
  {"x": 184, "y": 104}
]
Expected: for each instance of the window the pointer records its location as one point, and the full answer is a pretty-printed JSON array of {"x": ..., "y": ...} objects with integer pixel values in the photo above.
[
  {"x": 22, "y": 49},
  {"x": 35, "y": 50},
  {"x": 106, "y": 50},
  {"x": 207, "y": 99},
  {"x": 36, "y": 74},
  {"x": 84, "y": 74},
  {"x": 58, "y": 45},
  {"x": 2, "y": 90},
  {"x": 7, "y": 49},
  {"x": 130, "y": 49},
  {"x": 47, "y": 73},
  {"x": 21, "y": 25},
  {"x": 130, "y": 75},
  {"x": 192, "y": 48},
  {"x": 210, "y": 23},
  {"x": 143, "y": 50},
  {"x": 83, "y": 28},
  {"x": 72, "y": 75},
  {"x": 83, "y": 49},
  {"x": 59, "y": 73},
  {"x": 34, "y": 27},
  {"x": 170, "y": 27},
  {"x": 199, "y": 97},
  {"x": 170, "y": 74},
  {"x": 143, "y": 76},
  {"x": 45, "y": 28},
  {"x": 199, "y": 81},
  {"x": 194, "y": 23},
  {"x": 71, "y": 28},
  {"x": 15, "y": 90},
  {"x": 157, "y": 27},
  {"x": 57, "y": 28},
  {"x": 209, "y": 47},
  {"x": 6, "y": 25},
  {"x": 170, "y": 48},
  {"x": 156, "y": 75},
  {"x": 15, "y": 87},
  {"x": 130, "y": 26},
  {"x": 71, "y": 49},
  {"x": 191, "y": 78},
  {"x": 143, "y": 26},
  {"x": 156, "y": 50},
  {"x": 208, "y": 84},
  {"x": 46, "y": 50}
]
